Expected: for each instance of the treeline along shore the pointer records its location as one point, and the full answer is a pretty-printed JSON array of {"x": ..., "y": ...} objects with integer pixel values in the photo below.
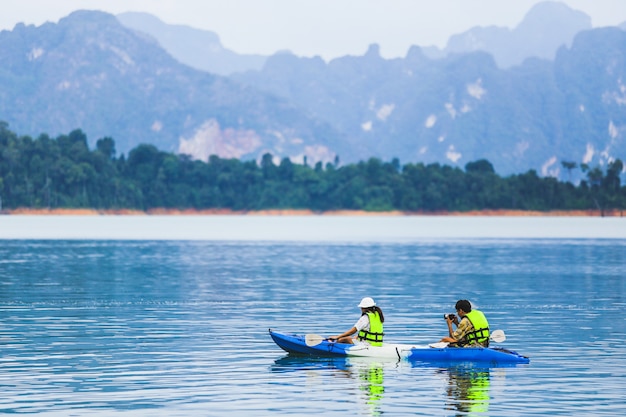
[{"x": 62, "y": 175}]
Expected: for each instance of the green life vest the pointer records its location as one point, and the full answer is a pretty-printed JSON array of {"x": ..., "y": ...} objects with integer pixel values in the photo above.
[
  {"x": 375, "y": 334},
  {"x": 480, "y": 335}
]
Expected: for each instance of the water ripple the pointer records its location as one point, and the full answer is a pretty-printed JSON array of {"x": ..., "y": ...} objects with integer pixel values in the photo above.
[{"x": 180, "y": 328}]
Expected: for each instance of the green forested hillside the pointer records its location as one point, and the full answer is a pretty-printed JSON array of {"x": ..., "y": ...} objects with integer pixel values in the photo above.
[{"x": 63, "y": 172}]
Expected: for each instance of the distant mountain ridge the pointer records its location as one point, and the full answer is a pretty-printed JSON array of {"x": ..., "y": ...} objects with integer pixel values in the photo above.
[
  {"x": 93, "y": 73},
  {"x": 545, "y": 28},
  {"x": 463, "y": 107},
  {"x": 200, "y": 49},
  {"x": 90, "y": 72}
]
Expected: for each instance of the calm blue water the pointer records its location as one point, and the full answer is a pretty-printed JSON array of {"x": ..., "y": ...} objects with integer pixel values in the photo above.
[{"x": 178, "y": 328}]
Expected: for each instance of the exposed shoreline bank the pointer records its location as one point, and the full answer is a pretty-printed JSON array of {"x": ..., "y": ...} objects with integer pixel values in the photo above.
[{"x": 289, "y": 212}]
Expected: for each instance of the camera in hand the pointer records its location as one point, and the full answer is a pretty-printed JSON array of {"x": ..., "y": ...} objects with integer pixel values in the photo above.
[{"x": 450, "y": 316}]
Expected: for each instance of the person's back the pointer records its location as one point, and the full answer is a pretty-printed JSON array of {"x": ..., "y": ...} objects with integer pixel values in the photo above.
[
  {"x": 373, "y": 334},
  {"x": 478, "y": 333},
  {"x": 369, "y": 327}
]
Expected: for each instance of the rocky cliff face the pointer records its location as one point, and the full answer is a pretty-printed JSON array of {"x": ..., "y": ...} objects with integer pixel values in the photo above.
[{"x": 463, "y": 108}]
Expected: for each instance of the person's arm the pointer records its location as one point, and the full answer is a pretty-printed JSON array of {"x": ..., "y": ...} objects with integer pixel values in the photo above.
[
  {"x": 345, "y": 336},
  {"x": 449, "y": 321},
  {"x": 453, "y": 334}
]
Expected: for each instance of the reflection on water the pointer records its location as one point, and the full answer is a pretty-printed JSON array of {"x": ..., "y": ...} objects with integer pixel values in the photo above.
[
  {"x": 466, "y": 386},
  {"x": 467, "y": 389},
  {"x": 372, "y": 378},
  {"x": 293, "y": 362},
  {"x": 368, "y": 374}
]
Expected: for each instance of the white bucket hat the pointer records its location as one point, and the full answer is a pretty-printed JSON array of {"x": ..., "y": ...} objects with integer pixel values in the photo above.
[{"x": 367, "y": 302}]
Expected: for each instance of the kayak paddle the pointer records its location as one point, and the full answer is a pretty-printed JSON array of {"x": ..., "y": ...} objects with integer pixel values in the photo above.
[
  {"x": 497, "y": 336},
  {"x": 313, "y": 339}
]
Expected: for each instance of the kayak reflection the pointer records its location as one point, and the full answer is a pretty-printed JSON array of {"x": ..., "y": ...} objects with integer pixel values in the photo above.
[
  {"x": 467, "y": 389},
  {"x": 369, "y": 373},
  {"x": 371, "y": 382},
  {"x": 302, "y": 363}
]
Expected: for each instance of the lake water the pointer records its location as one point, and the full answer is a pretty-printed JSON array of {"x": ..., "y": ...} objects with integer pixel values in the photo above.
[{"x": 146, "y": 316}]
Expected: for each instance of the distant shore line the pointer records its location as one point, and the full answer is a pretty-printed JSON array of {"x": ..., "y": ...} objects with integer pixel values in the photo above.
[{"x": 289, "y": 212}]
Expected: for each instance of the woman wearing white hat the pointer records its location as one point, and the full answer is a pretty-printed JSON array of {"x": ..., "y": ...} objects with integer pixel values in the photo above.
[{"x": 369, "y": 328}]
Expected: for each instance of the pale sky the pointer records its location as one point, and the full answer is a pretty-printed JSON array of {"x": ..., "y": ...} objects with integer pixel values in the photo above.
[{"x": 328, "y": 28}]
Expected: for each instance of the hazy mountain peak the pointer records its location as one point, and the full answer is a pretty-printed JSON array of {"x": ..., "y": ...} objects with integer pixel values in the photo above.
[
  {"x": 154, "y": 26},
  {"x": 86, "y": 17},
  {"x": 552, "y": 13},
  {"x": 546, "y": 27},
  {"x": 551, "y": 24},
  {"x": 415, "y": 55},
  {"x": 200, "y": 49},
  {"x": 373, "y": 51}
]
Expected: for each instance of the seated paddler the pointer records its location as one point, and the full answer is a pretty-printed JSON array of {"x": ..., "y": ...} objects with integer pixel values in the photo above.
[
  {"x": 472, "y": 327},
  {"x": 369, "y": 327}
]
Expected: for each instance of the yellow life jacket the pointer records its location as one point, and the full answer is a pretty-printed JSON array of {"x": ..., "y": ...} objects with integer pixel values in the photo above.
[
  {"x": 375, "y": 334},
  {"x": 480, "y": 335}
]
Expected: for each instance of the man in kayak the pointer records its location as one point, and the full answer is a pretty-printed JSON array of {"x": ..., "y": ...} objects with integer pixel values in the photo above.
[
  {"x": 472, "y": 330},
  {"x": 369, "y": 327}
]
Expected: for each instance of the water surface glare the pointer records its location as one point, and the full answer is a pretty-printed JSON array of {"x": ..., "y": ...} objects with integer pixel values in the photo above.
[{"x": 179, "y": 327}]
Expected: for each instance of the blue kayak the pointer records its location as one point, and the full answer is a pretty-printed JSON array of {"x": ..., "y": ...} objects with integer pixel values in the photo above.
[{"x": 299, "y": 344}]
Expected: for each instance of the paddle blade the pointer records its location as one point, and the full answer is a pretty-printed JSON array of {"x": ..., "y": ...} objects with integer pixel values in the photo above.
[
  {"x": 313, "y": 339},
  {"x": 439, "y": 345},
  {"x": 497, "y": 336}
]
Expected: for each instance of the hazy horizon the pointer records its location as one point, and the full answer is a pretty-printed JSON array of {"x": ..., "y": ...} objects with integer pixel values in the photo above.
[{"x": 319, "y": 27}]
